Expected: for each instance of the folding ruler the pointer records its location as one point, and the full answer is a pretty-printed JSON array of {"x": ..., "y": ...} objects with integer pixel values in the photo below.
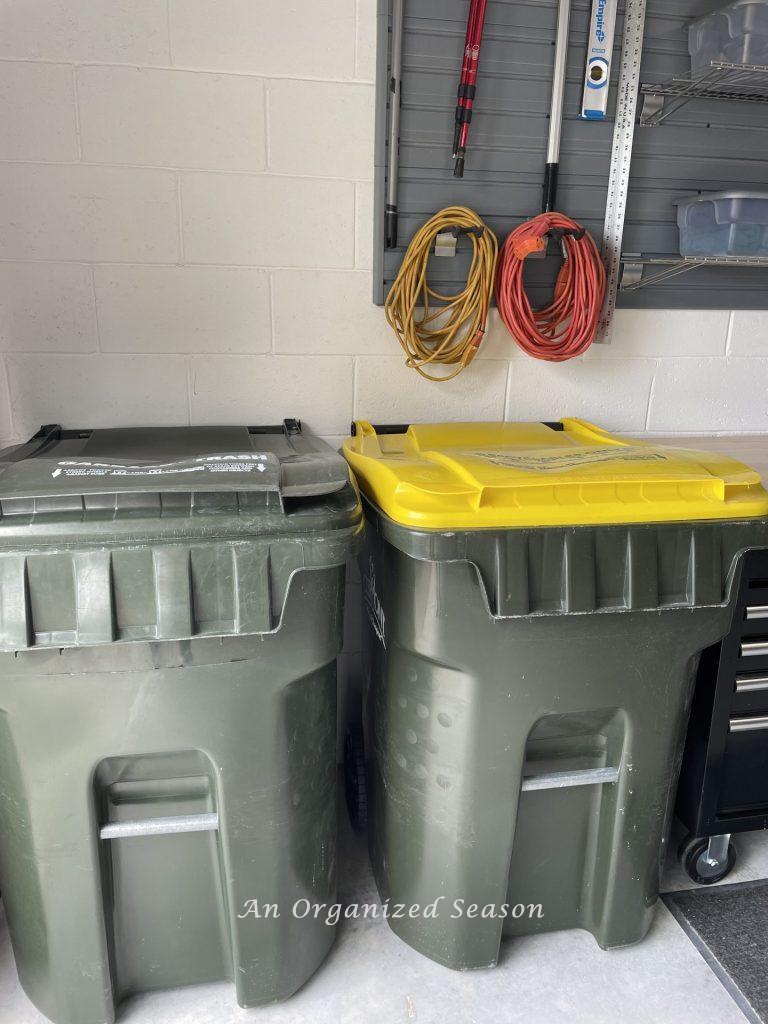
[{"x": 621, "y": 159}]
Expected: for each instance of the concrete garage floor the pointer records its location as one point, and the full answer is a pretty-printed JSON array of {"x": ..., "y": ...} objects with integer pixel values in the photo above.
[{"x": 372, "y": 977}]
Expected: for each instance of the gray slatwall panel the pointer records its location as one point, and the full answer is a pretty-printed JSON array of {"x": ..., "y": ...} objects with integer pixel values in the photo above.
[{"x": 704, "y": 147}]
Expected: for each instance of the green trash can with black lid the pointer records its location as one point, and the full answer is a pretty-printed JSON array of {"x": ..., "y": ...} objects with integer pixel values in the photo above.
[
  {"x": 537, "y": 596},
  {"x": 170, "y": 615}
]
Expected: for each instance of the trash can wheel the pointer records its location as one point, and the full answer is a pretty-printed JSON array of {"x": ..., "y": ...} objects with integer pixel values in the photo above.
[
  {"x": 354, "y": 778},
  {"x": 707, "y": 859}
]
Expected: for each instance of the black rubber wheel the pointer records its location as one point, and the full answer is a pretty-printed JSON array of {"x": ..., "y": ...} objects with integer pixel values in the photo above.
[
  {"x": 354, "y": 778},
  {"x": 693, "y": 851}
]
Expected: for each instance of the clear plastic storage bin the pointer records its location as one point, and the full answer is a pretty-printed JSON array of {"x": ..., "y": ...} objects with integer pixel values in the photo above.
[
  {"x": 736, "y": 34},
  {"x": 724, "y": 224}
]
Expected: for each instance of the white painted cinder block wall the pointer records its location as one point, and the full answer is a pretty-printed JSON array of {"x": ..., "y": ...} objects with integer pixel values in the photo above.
[{"x": 185, "y": 235}]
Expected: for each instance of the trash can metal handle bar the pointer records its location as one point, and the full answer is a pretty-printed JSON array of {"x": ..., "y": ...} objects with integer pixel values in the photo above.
[
  {"x": 562, "y": 780},
  {"x": 175, "y": 825},
  {"x": 757, "y": 611}
]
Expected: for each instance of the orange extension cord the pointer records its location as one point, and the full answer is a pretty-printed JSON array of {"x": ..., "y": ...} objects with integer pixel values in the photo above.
[{"x": 567, "y": 327}]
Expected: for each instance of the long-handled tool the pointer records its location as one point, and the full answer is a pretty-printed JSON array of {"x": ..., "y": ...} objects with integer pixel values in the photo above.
[
  {"x": 556, "y": 108},
  {"x": 566, "y": 327},
  {"x": 396, "y": 70},
  {"x": 465, "y": 65},
  {"x": 467, "y": 83}
]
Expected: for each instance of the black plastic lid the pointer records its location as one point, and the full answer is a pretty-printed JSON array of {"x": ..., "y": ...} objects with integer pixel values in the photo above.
[{"x": 58, "y": 469}]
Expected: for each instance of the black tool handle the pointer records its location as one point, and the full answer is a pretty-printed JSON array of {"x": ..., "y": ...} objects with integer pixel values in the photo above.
[
  {"x": 390, "y": 227},
  {"x": 550, "y": 188}
]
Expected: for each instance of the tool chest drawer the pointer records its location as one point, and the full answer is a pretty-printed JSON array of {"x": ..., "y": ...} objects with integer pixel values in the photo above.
[
  {"x": 750, "y": 692},
  {"x": 724, "y": 778},
  {"x": 745, "y": 765},
  {"x": 744, "y": 654}
]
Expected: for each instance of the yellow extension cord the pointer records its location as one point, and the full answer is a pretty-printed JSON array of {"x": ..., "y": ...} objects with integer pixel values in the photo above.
[{"x": 449, "y": 334}]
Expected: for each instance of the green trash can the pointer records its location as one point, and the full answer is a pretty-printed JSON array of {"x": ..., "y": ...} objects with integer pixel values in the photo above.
[
  {"x": 170, "y": 616},
  {"x": 537, "y": 596}
]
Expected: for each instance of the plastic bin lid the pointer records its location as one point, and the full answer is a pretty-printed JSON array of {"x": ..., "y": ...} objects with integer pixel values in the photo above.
[
  {"x": 471, "y": 475},
  {"x": 118, "y": 468},
  {"x": 724, "y": 10},
  {"x": 709, "y": 197}
]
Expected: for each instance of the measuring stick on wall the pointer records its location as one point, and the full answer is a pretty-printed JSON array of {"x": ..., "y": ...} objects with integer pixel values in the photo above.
[
  {"x": 621, "y": 159},
  {"x": 597, "y": 77}
]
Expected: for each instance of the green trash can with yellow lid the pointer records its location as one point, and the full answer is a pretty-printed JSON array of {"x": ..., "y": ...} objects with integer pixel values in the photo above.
[{"x": 537, "y": 596}]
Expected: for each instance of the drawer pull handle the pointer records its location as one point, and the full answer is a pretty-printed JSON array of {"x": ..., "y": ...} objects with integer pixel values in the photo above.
[
  {"x": 175, "y": 825},
  {"x": 749, "y": 723},
  {"x": 750, "y": 684},
  {"x": 757, "y": 611},
  {"x": 561, "y": 780},
  {"x": 754, "y": 648}
]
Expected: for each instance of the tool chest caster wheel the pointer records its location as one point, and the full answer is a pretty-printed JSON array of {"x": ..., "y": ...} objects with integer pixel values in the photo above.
[
  {"x": 354, "y": 778},
  {"x": 707, "y": 859}
]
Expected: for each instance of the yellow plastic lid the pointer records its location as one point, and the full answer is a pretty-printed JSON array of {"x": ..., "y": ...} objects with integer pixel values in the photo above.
[{"x": 473, "y": 475}]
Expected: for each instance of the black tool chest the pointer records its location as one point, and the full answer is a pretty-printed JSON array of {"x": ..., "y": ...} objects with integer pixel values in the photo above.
[{"x": 724, "y": 780}]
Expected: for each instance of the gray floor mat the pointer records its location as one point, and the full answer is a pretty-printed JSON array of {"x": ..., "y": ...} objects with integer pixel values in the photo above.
[{"x": 729, "y": 926}]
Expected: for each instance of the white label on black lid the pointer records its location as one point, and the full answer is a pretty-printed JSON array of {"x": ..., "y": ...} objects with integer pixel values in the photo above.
[{"x": 240, "y": 462}]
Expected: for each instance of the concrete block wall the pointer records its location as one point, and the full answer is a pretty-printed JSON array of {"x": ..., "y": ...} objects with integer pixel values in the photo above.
[{"x": 185, "y": 235}]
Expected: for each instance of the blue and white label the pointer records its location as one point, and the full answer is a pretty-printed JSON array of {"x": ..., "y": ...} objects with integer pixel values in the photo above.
[{"x": 602, "y": 27}]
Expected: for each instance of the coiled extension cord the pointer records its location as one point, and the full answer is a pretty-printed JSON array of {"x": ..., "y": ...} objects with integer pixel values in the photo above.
[
  {"x": 450, "y": 333},
  {"x": 567, "y": 327}
]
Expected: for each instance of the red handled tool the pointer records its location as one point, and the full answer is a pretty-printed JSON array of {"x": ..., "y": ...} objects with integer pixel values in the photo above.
[
  {"x": 467, "y": 83},
  {"x": 466, "y": 61}
]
